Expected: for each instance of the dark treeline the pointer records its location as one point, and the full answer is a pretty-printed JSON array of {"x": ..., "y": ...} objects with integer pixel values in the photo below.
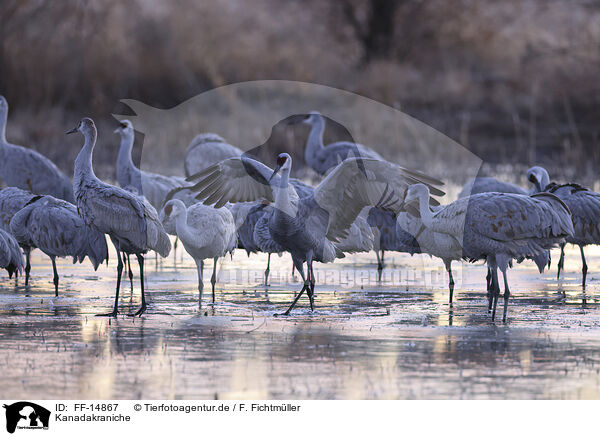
[{"x": 515, "y": 81}]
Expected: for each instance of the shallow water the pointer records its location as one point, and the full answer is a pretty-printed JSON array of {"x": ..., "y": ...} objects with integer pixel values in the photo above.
[{"x": 394, "y": 339}]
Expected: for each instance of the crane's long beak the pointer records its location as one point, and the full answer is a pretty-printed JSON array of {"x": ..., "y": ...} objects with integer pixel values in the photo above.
[
  {"x": 71, "y": 131},
  {"x": 275, "y": 171}
]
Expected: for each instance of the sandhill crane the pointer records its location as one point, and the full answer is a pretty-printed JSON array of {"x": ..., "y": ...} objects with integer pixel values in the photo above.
[
  {"x": 308, "y": 227},
  {"x": 383, "y": 223},
  {"x": 27, "y": 169},
  {"x": 254, "y": 239},
  {"x": 53, "y": 226},
  {"x": 254, "y": 235},
  {"x": 585, "y": 210},
  {"x": 421, "y": 239},
  {"x": 499, "y": 227},
  {"x": 132, "y": 224},
  {"x": 536, "y": 175},
  {"x": 584, "y": 205},
  {"x": 205, "y": 232},
  {"x": 360, "y": 237},
  {"x": 251, "y": 238},
  {"x": 480, "y": 185},
  {"x": 207, "y": 149},
  {"x": 155, "y": 187},
  {"x": 13, "y": 200},
  {"x": 11, "y": 257},
  {"x": 539, "y": 177},
  {"x": 323, "y": 158}
]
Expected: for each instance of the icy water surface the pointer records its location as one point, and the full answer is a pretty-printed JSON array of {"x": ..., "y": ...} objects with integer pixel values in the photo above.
[{"x": 398, "y": 339}]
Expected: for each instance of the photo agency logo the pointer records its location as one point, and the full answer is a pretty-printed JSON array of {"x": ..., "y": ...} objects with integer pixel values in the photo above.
[
  {"x": 237, "y": 143},
  {"x": 24, "y": 415}
]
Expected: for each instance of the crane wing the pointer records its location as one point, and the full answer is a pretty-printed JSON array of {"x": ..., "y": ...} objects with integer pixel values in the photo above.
[
  {"x": 234, "y": 180},
  {"x": 115, "y": 211},
  {"x": 357, "y": 183}
]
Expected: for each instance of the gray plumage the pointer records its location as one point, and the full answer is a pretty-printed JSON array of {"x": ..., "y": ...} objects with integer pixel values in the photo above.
[
  {"x": 155, "y": 187},
  {"x": 131, "y": 223},
  {"x": 205, "y": 232},
  {"x": 53, "y": 226},
  {"x": 12, "y": 200},
  {"x": 480, "y": 185},
  {"x": 585, "y": 211},
  {"x": 417, "y": 238},
  {"x": 302, "y": 189},
  {"x": 360, "y": 236},
  {"x": 499, "y": 227},
  {"x": 323, "y": 158},
  {"x": 309, "y": 227},
  {"x": 184, "y": 194},
  {"x": 11, "y": 257},
  {"x": 249, "y": 238},
  {"x": 388, "y": 236},
  {"x": 252, "y": 223},
  {"x": 252, "y": 236},
  {"x": 538, "y": 176},
  {"x": 27, "y": 169},
  {"x": 207, "y": 149}
]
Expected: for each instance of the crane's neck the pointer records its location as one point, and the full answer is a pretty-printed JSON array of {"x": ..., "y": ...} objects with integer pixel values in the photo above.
[
  {"x": 83, "y": 162},
  {"x": 545, "y": 181},
  {"x": 314, "y": 144},
  {"x": 3, "y": 120},
  {"x": 183, "y": 231},
  {"x": 283, "y": 198},
  {"x": 125, "y": 165},
  {"x": 425, "y": 211}
]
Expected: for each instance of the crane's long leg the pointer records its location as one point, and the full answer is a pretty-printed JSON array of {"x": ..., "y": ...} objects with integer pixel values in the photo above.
[
  {"x": 268, "y": 269},
  {"x": 27, "y": 265},
  {"x": 490, "y": 289},
  {"x": 55, "y": 275},
  {"x": 379, "y": 264},
  {"x": 311, "y": 285},
  {"x": 488, "y": 282},
  {"x": 143, "y": 307},
  {"x": 305, "y": 286},
  {"x": 506, "y": 295},
  {"x": 213, "y": 279},
  {"x": 496, "y": 291},
  {"x": 450, "y": 280},
  {"x": 119, "y": 272},
  {"x": 584, "y": 268},
  {"x": 561, "y": 261},
  {"x": 130, "y": 271},
  {"x": 200, "y": 268}
]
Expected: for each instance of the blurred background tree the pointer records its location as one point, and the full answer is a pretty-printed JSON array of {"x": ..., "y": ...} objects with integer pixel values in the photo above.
[{"x": 515, "y": 81}]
